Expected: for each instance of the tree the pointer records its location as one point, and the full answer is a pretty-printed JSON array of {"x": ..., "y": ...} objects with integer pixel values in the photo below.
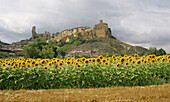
[
  {"x": 153, "y": 50},
  {"x": 31, "y": 50},
  {"x": 161, "y": 52},
  {"x": 47, "y": 52},
  {"x": 63, "y": 50},
  {"x": 40, "y": 49}
]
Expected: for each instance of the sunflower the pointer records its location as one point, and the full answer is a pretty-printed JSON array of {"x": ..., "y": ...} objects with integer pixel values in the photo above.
[
  {"x": 168, "y": 56},
  {"x": 43, "y": 62},
  {"x": 158, "y": 59},
  {"x": 106, "y": 63},
  {"x": 86, "y": 61},
  {"x": 145, "y": 61},
  {"x": 50, "y": 64},
  {"x": 113, "y": 56},
  {"x": 33, "y": 62},
  {"x": 153, "y": 60},
  {"x": 149, "y": 59},
  {"x": 153, "y": 56},
  {"x": 136, "y": 55},
  {"x": 78, "y": 66},
  {"x": 68, "y": 58},
  {"x": 20, "y": 59},
  {"x": 78, "y": 60},
  {"x": 3, "y": 65},
  {"x": 83, "y": 59},
  {"x": 122, "y": 60},
  {"x": 93, "y": 60},
  {"x": 36, "y": 64},
  {"x": 130, "y": 59},
  {"x": 118, "y": 64},
  {"x": 133, "y": 61},
  {"x": 103, "y": 60},
  {"x": 46, "y": 67},
  {"x": 60, "y": 64},
  {"x": 164, "y": 59},
  {"x": 28, "y": 61},
  {"x": 60, "y": 68},
  {"x": 101, "y": 57},
  {"x": 125, "y": 55},
  {"x": 138, "y": 62},
  {"x": 111, "y": 61},
  {"x": 150, "y": 56},
  {"x": 90, "y": 59},
  {"x": 76, "y": 63},
  {"x": 14, "y": 67},
  {"x": 23, "y": 63},
  {"x": 56, "y": 66},
  {"x": 169, "y": 60},
  {"x": 28, "y": 66},
  {"x": 68, "y": 62},
  {"x": 127, "y": 63},
  {"x": 58, "y": 60}
]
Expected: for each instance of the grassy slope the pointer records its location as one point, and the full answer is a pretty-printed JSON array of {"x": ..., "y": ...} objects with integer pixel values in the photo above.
[{"x": 109, "y": 45}]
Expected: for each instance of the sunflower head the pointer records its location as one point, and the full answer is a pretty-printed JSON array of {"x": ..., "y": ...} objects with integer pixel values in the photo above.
[
  {"x": 164, "y": 59},
  {"x": 106, "y": 63},
  {"x": 145, "y": 61},
  {"x": 127, "y": 63},
  {"x": 118, "y": 64},
  {"x": 45, "y": 67},
  {"x": 78, "y": 66},
  {"x": 133, "y": 61},
  {"x": 50, "y": 64},
  {"x": 138, "y": 62},
  {"x": 93, "y": 60},
  {"x": 153, "y": 60},
  {"x": 43, "y": 62},
  {"x": 136, "y": 55},
  {"x": 3, "y": 65},
  {"x": 36, "y": 64},
  {"x": 68, "y": 62},
  {"x": 101, "y": 57},
  {"x": 122, "y": 60},
  {"x": 113, "y": 56},
  {"x": 56, "y": 66},
  {"x": 60, "y": 68},
  {"x": 60, "y": 64},
  {"x": 86, "y": 61},
  {"x": 28, "y": 65}
]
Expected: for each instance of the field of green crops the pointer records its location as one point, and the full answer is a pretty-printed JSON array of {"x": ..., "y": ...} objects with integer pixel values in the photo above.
[{"x": 84, "y": 73}]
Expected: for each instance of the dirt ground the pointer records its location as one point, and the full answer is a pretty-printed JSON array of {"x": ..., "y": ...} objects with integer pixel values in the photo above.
[{"x": 154, "y": 93}]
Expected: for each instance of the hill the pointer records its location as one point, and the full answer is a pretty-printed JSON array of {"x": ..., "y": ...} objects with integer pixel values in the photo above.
[
  {"x": 105, "y": 46},
  {"x": 3, "y": 43}
]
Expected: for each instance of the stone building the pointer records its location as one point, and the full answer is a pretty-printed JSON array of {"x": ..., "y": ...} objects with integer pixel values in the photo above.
[
  {"x": 45, "y": 35},
  {"x": 100, "y": 30}
]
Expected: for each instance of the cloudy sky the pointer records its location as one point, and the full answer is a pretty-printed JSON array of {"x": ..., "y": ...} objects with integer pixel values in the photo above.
[{"x": 138, "y": 22}]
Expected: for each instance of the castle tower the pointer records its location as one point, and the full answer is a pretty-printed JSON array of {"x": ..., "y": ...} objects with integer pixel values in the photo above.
[
  {"x": 101, "y": 30},
  {"x": 34, "y": 32}
]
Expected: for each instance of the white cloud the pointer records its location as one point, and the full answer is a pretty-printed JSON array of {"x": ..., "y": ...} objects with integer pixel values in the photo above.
[{"x": 136, "y": 22}]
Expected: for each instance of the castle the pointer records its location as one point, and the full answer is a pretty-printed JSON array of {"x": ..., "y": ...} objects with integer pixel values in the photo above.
[{"x": 100, "y": 30}]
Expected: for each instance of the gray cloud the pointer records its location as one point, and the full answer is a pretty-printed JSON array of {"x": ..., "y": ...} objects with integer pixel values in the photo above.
[{"x": 145, "y": 23}]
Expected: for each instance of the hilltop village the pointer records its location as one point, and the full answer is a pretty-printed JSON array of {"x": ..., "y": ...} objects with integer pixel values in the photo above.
[{"x": 100, "y": 30}]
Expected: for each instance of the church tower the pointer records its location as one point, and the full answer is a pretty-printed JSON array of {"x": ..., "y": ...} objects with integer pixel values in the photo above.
[{"x": 34, "y": 32}]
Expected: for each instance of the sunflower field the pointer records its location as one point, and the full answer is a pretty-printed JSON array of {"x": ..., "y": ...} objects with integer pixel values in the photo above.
[{"x": 84, "y": 73}]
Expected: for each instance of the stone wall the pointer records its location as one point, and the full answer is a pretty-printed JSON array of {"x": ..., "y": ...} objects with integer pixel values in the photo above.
[{"x": 100, "y": 30}]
